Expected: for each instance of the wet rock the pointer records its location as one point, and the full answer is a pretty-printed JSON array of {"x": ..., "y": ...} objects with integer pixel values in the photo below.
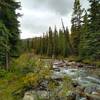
[
  {"x": 80, "y": 89},
  {"x": 95, "y": 93},
  {"x": 75, "y": 84},
  {"x": 93, "y": 97},
  {"x": 66, "y": 62},
  {"x": 98, "y": 90},
  {"x": 56, "y": 69},
  {"x": 80, "y": 65},
  {"x": 43, "y": 85},
  {"x": 83, "y": 98},
  {"x": 58, "y": 64},
  {"x": 43, "y": 94},
  {"x": 71, "y": 63},
  {"x": 35, "y": 95},
  {"x": 90, "y": 89},
  {"x": 30, "y": 96},
  {"x": 90, "y": 66}
]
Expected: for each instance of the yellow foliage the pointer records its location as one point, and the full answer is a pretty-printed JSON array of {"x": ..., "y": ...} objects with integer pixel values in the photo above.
[{"x": 31, "y": 79}]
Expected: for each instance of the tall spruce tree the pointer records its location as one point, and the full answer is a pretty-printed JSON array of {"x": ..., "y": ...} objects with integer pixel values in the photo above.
[
  {"x": 61, "y": 43},
  {"x": 50, "y": 42},
  {"x": 84, "y": 35},
  {"x": 4, "y": 45},
  {"x": 94, "y": 15},
  {"x": 90, "y": 43},
  {"x": 8, "y": 16},
  {"x": 76, "y": 26},
  {"x": 66, "y": 40},
  {"x": 55, "y": 42}
]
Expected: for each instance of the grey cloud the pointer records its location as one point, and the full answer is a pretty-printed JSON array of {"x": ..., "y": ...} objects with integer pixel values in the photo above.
[
  {"x": 37, "y": 25},
  {"x": 59, "y": 6}
]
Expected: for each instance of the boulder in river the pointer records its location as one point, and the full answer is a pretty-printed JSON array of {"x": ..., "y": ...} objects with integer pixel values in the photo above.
[
  {"x": 90, "y": 89},
  {"x": 83, "y": 98},
  {"x": 80, "y": 65},
  {"x": 59, "y": 64}
]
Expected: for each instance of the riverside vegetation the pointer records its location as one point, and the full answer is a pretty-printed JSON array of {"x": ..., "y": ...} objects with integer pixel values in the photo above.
[{"x": 27, "y": 73}]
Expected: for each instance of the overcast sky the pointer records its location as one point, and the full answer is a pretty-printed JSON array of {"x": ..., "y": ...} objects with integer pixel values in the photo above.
[{"x": 38, "y": 15}]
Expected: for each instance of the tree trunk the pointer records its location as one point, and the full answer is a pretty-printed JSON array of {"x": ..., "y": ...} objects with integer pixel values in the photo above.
[{"x": 7, "y": 60}]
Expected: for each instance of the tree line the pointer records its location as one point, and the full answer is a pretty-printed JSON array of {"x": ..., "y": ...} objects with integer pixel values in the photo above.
[{"x": 52, "y": 43}]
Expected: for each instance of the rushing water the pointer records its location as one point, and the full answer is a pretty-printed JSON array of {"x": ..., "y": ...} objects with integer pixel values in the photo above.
[
  {"x": 86, "y": 80},
  {"x": 80, "y": 75}
]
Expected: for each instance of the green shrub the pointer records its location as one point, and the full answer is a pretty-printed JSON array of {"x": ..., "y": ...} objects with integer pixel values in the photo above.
[
  {"x": 74, "y": 58},
  {"x": 2, "y": 73},
  {"x": 23, "y": 65},
  {"x": 87, "y": 61},
  {"x": 90, "y": 46},
  {"x": 97, "y": 63}
]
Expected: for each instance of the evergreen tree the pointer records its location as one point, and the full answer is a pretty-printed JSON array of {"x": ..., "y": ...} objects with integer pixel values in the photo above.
[
  {"x": 61, "y": 43},
  {"x": 90, "y": 41},
  {"x": 55, "y": 42},
  {"x": 50, "y": 43},
  {"x": 8, "y": 16},
  {"x": 45, "y": 43},
  {"x": 66, "y": 40},
  {"x": 4, "y": 45},
  {"x": 94, "y": 15},
  {"x": 76, "y": 26},
  {"x": 11, "y": 22},
  {"x": 67, "y": 43},
  {"x": 85, "y": 23}
]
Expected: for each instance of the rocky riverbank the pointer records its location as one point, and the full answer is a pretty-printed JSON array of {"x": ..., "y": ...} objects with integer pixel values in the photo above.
[{"x": 86, "y": 81}]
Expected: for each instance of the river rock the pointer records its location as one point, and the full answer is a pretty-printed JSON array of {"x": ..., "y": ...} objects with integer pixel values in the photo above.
[
  {"x": 71, "y": 96},
  {"x": 80, "y": 88},
  {"x": 30, "y": 95},
  {"x": 35, "y": 95},
  {"x": 95, "y": 93},
  {"x": 80, "y": 65},
  {"x": 43, "y": 94},
  {"x": 75, "y": 84},
  {"x": 83, "y": 98},
  {"x": 93, "y": 97},
  {"x": 71, "y": 63},
  {"x": 58, "y": 64},
  {"x": 90, "y": 89}
]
